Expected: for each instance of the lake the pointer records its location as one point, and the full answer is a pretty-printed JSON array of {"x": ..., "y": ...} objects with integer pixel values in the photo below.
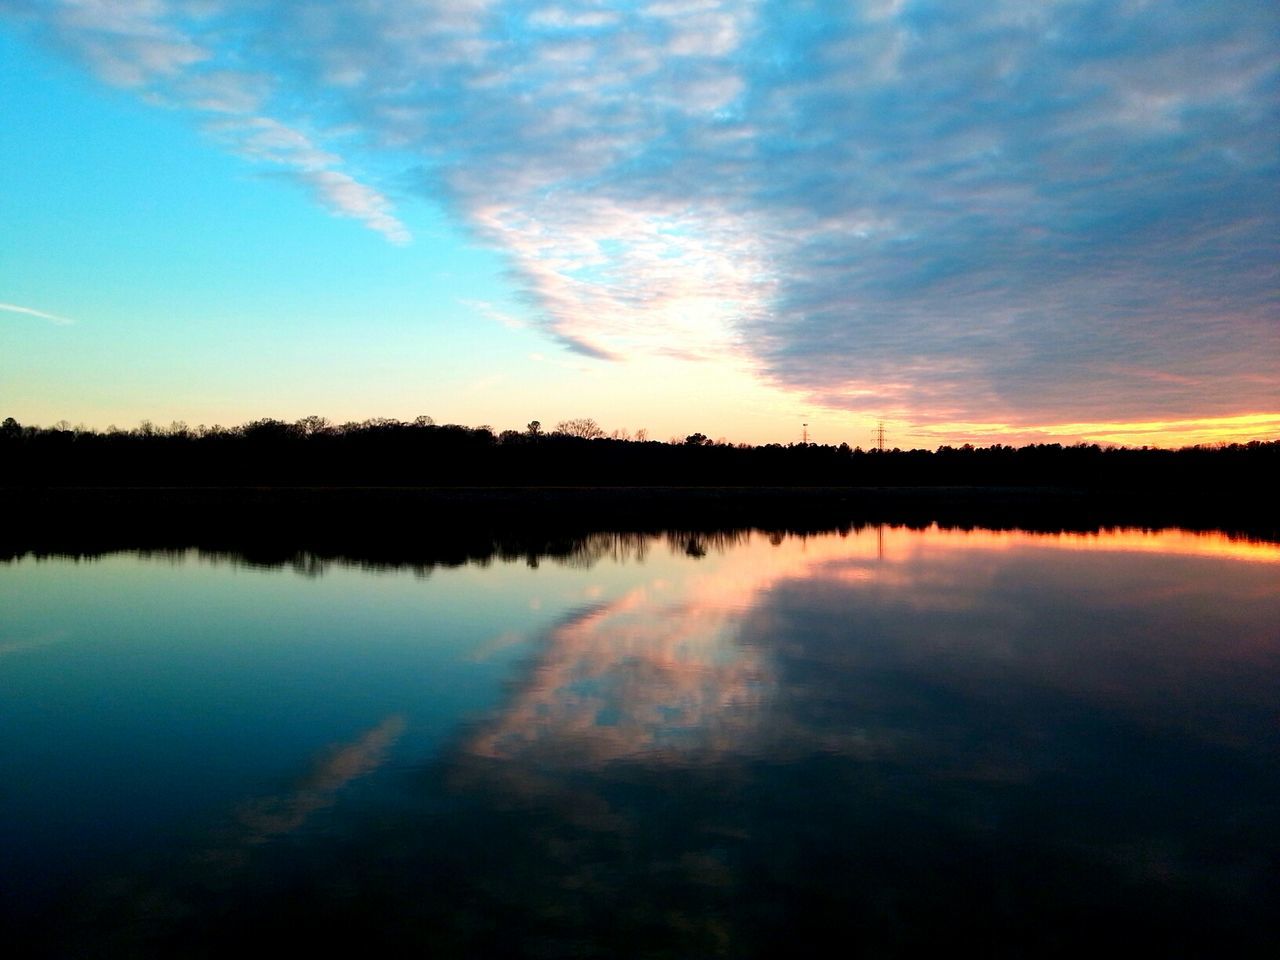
[{"x": 648, "y": 745}]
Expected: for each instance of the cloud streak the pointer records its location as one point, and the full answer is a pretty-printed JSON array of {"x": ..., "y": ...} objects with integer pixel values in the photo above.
[
  {"x": 986, "y": 211},
  {"x": 32, "y": 312}
]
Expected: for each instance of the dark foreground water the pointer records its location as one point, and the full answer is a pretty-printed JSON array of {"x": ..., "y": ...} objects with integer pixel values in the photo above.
[{"x": 649, "y": 746}]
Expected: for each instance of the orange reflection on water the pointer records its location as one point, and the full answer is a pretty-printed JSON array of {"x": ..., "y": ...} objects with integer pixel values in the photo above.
[
  {"x": 1175, "y": 542},
  {"x": 660, "y": 670},
  {"x": 645, "y": 673},
  {"x": 664, "y": 671}
]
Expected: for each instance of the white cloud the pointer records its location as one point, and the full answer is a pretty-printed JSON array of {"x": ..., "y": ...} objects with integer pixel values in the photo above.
[
  {"x": 31, "y": 312},
  {"x": 347, "y": 196},
  {"x": 558, "y": 18}
]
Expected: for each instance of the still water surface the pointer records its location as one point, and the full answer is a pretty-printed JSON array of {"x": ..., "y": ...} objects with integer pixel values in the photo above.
[{"x": 676, "y": 745}]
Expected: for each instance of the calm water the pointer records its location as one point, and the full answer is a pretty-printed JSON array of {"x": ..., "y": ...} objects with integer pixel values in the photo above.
[{"x": 650, "y": 746}]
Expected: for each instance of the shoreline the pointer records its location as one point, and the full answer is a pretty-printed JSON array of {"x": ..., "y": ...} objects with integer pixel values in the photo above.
[{"x": 403, "y": 520}]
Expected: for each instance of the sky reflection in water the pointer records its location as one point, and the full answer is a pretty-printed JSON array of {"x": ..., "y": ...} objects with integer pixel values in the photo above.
[{"x": 667, "y": 747}]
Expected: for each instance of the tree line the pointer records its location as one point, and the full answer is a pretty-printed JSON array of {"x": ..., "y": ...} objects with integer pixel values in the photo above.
[{"x": 386, "y": 452}]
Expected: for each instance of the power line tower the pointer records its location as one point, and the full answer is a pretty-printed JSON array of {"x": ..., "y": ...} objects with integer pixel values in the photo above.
[{"x": 879, "y": 436}]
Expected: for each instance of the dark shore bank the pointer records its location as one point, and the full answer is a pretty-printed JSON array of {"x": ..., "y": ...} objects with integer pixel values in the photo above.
[
  {"x": 462, "y": 523},
  {"x": 385, "y": 488}
]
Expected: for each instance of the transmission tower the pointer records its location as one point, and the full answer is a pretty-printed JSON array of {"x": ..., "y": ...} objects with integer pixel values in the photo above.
[{"x": 879, "y": 436}]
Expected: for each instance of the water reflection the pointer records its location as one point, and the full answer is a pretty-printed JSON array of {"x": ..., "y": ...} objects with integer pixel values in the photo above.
[
  {"x": 693, "y": 666},
  {"x": 266, "y": 818},
  {"x": 904, "y": 739},
  {"x": 454, "y": 548},
  {"x": 898, "y": 738}
]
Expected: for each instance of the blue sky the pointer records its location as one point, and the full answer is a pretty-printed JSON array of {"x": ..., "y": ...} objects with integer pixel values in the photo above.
[{"x": 972, "y": 220}]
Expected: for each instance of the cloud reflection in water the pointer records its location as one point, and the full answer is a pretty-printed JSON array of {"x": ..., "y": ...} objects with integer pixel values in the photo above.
[
  {"x": 900, "y": 739},
  {"x": 903, "y": 736},
  {"x": 671, "y": 671}
]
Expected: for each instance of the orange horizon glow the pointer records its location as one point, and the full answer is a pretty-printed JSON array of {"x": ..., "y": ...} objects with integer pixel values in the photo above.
[
  {"x": 1165, "y": 434},
  {"x": 831, "y": 428}
]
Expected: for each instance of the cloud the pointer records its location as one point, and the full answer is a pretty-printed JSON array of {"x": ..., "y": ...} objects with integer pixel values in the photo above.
[
  {"x": 184, "y": 54},
  {"x": 348, "y": 197},
  {"x": 127, "y": 42},
  {"x": 29, "y": 311},
  {"x": 981, "y": 209},
  {"x": 270, "y": 817}
]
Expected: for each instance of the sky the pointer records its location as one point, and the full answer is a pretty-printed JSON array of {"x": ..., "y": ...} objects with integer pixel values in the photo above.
[{"x": 972, "y": 220}]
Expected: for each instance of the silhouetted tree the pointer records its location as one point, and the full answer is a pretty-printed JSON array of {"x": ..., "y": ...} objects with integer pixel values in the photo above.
[
  {"x": 582, "y": 427},
  {"x": 312, "y": 425}
]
